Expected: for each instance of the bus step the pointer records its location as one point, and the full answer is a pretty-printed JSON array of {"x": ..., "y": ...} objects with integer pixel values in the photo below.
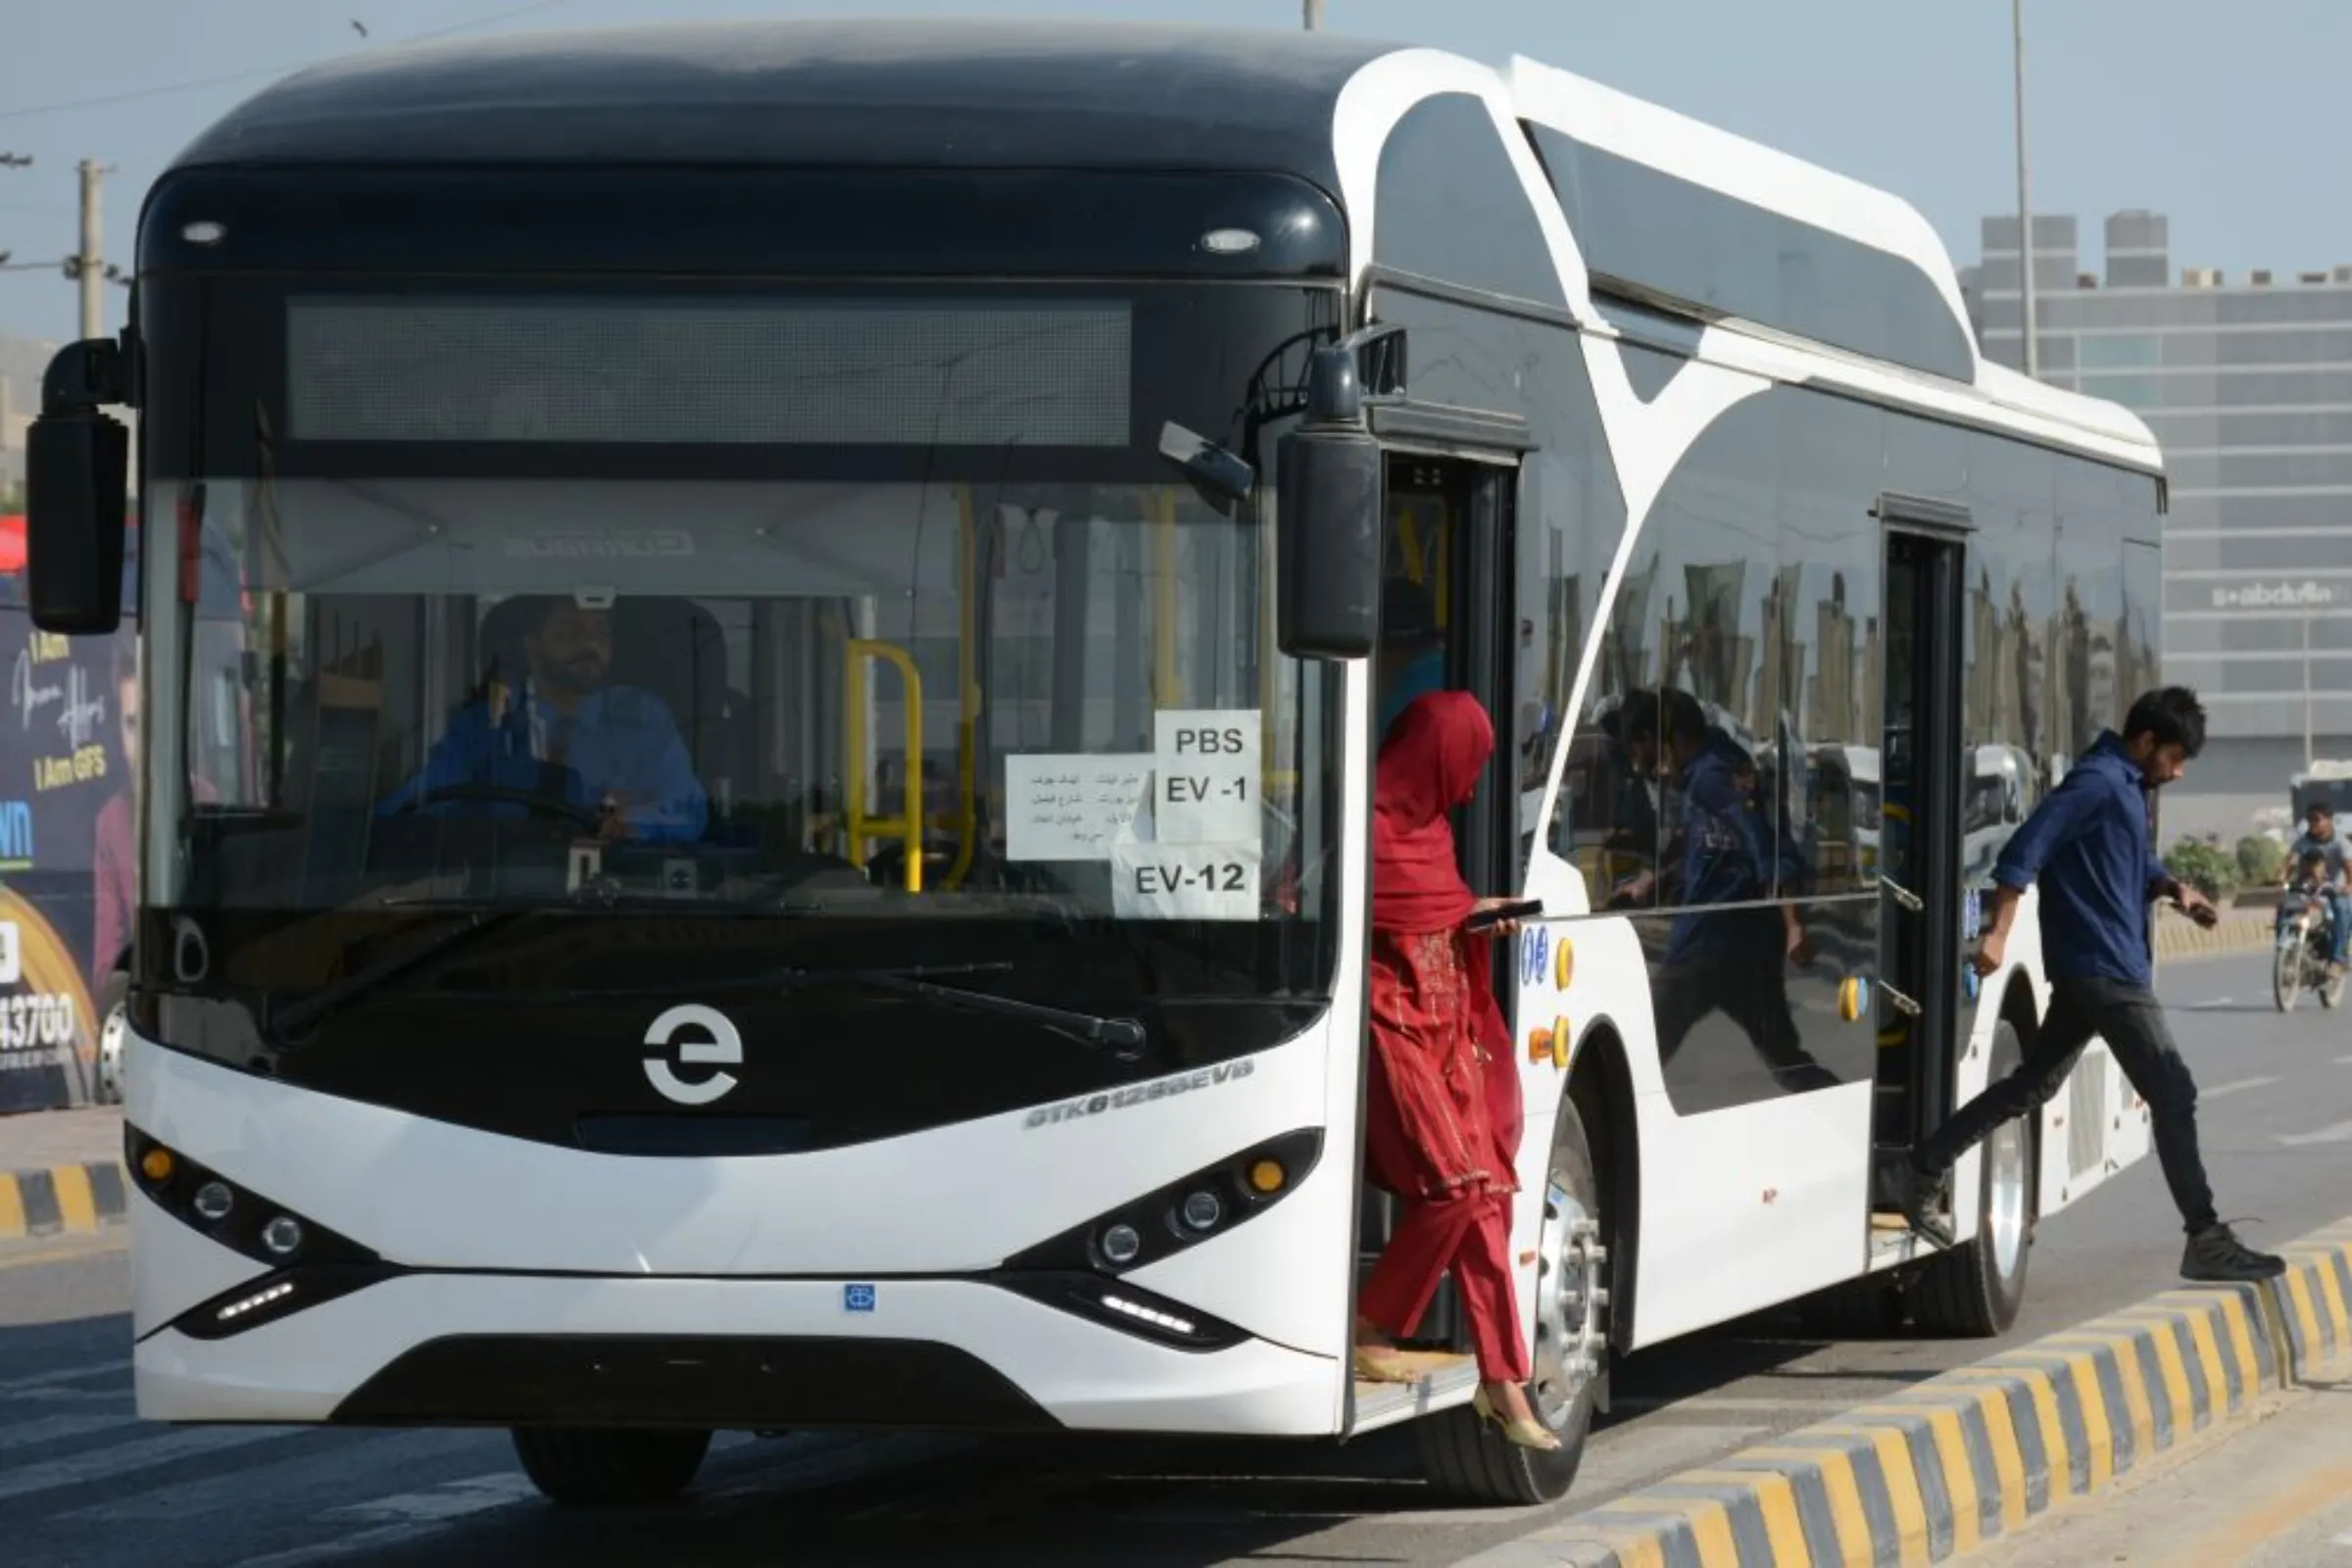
[{"x": 1425, "y": 1365}]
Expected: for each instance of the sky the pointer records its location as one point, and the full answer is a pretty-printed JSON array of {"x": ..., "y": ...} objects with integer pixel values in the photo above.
[{"x": 2223, "y": 115}]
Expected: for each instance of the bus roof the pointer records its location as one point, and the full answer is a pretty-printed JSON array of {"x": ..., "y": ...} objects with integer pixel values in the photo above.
[
  {"x": 881, "y": 93},
  {"x": 989, "y": 94}
]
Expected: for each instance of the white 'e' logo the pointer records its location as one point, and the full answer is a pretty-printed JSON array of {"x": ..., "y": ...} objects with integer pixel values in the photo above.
[{"x": 724, "y": 1049}]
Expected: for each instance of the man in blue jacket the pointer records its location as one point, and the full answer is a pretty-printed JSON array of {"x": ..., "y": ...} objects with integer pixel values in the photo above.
[
  {"x": 2088, "y": 845},
  {"x": 569, "y": 736}
]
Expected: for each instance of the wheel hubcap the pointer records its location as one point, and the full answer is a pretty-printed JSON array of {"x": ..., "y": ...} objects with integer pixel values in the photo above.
[
  {"x": 110, "y": 1046},
  {"x": 1570, "y": 1295},
  {"x": 2005, "y": 1179}
]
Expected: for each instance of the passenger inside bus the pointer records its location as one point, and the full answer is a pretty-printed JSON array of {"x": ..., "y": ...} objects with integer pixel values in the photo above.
[
  {"x": 1732, "y": 871},
  {"x": 561, "y": 732}
]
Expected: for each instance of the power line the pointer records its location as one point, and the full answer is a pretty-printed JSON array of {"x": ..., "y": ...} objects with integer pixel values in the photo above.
[{"x": 165, "y": 89}]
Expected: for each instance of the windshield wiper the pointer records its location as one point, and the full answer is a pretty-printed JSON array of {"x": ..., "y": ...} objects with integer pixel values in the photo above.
[
  {"x": 319, "y": 1004},
  {"x": 1125, "y": 1036}
]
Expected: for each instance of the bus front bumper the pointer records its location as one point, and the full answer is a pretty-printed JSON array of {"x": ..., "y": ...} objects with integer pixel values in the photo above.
[{"x": 463, "y": 1348}]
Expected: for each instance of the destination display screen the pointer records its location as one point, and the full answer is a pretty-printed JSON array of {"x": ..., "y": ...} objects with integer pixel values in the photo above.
[{"x": 808, "y": 371}]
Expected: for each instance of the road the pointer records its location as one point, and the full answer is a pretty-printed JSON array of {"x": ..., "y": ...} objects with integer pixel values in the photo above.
[{"x": 83, "y": 1483}]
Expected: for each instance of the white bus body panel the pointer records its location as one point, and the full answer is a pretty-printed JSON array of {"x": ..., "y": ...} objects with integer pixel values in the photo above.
[
  {"x": 956, "y": 1199},
  {"x": 1739, "y": 1208}
]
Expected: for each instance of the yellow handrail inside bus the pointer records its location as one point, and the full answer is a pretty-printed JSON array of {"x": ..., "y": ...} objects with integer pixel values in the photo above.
[{"x": 907, "y": 827}]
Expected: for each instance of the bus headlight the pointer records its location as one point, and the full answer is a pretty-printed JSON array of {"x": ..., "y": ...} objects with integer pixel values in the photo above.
[
  {"x": 233, "y": 1215},
  {"x": 1183, "y": 1213},
  {"x": 1121, "y": 1246}
]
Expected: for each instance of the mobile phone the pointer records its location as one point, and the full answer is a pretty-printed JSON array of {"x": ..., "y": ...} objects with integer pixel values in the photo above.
[{"x": 1525, "y": 909}]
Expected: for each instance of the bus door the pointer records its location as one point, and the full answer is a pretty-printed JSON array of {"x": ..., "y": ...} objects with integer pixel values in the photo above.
[
  {"x": 1920, "y": 1001},
  {"x": 1448, "y": 596}
]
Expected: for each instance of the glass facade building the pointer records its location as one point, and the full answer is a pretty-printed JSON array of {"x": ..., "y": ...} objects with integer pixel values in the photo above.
[{"x": 2247, "y": 382}]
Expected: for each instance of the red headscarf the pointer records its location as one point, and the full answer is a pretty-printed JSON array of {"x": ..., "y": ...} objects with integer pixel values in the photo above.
[{"x": 1429, "y": 765}]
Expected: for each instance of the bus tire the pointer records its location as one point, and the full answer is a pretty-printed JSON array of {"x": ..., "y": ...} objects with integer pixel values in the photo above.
[
  {"x": 608, "y": 1467},
  {"x": 1466, "y": 1459},
  {"x": 106, "y": 1087},
  {"x": 1975, "y": 1290}
]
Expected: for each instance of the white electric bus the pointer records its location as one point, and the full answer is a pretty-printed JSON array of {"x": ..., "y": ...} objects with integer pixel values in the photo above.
[{"x": 813, "y": 640}]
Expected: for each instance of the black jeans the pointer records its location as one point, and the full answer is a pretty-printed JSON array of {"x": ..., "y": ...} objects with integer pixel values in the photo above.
[{"x": 2130, "y": 1019}]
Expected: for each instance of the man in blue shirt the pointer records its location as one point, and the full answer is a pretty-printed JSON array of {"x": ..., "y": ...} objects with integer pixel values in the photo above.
[
  {"x": 2088, "y": 846},
  {"x": 613, "y": 751},
  {"x": 2321, "y": 843}
]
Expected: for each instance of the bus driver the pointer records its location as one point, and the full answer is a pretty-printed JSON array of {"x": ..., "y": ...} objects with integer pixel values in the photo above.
[{"x": 565, "y": 735}]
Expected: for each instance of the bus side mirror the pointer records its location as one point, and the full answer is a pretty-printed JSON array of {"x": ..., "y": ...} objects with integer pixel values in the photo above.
[
  {"x": 1328, "y": 550},
  {"x": 77, "y": 464}
]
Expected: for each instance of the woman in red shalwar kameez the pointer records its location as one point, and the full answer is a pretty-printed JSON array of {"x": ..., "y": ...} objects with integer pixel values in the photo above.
[{"x": 1442, "y": 1129}]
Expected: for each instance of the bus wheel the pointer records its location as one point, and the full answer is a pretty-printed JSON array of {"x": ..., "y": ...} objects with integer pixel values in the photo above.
[
  {"x": 1467, "y": 1460},
  {"x": 1975, "y": 1290},
  {"x": 605, "y": 1467}
]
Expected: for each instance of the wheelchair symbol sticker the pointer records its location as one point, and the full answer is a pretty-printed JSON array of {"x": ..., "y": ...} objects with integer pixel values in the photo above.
[{"x": 857, "y": 1298}]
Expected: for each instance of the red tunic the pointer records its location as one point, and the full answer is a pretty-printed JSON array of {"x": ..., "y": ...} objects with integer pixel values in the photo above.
[{"x": 1444, "y": 1114}]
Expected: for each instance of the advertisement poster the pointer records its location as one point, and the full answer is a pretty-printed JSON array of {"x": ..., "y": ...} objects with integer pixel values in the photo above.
[{"x": 66, "y": 737}]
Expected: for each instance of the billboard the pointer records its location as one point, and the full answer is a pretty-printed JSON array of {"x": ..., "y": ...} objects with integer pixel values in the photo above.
[{"x": 68, "y": 744}]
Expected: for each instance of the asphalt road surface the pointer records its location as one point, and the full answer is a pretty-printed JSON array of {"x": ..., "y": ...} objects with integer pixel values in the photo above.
[{"x": 84, "y": 1484}]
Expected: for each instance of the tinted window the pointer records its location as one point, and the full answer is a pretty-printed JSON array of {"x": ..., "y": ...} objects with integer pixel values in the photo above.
[
  {"x": 1571, "y": 511},
  {"x": 1571, "y": 514},
  {"x": 1451, "y": 206},
  {"x": 1832, "y": 471},
  {"x": 2090, "y": 602},
  {"x": 1666, "y": 237},
  {"x": 1690, "y": 664}
]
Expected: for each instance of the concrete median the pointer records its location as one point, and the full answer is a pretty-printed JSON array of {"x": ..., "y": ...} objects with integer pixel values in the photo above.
[
  {"x": 1936, "y": 1471},
  {"x": 66, "y": 1198},
  {"x": 2239, "y": 931}
]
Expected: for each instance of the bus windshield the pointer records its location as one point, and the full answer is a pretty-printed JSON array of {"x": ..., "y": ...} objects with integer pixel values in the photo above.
[
  {"x": 874, "y": 611},
  {"x": 756, "y": 694}
]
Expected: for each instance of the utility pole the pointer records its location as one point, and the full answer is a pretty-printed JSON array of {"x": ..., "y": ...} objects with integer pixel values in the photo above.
[
  {"x": 1315, "y": 15},
  {"x": 11, "y": 160},
  {"x": 2025, "y": 201},
  {"x": 89, "y": 266}
]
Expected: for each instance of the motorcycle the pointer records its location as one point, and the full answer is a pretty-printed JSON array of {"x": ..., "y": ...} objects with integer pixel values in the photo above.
[{"x": 2300, "y": 951}]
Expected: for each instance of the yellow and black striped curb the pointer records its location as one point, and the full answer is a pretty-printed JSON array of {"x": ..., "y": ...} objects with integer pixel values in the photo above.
[
  {"x": 1932, "y": 1472},
  {"x": 86, "y": 1197},
  {"x": 2181, "y": 938}
]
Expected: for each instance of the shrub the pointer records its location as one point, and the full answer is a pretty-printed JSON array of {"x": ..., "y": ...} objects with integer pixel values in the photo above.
[
  {"x": 2261, "y": 860},
  {"x": 2203, "y": 866}
]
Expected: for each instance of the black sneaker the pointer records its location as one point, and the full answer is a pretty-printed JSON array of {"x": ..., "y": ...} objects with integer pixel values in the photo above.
[
  {"x": 2216, "y": 1256},
  {"x": 1922, "y": 1193}
]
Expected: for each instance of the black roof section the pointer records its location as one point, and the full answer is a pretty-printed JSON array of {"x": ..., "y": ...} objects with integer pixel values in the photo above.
[{"x": 994, "y": 94}]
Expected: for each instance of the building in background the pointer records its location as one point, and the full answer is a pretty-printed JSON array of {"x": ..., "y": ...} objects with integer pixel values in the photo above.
[{"x": 2247, "y": 382}]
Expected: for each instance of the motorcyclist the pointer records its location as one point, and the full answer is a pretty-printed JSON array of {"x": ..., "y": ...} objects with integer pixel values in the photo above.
[{"x": 2323, "y": 857}]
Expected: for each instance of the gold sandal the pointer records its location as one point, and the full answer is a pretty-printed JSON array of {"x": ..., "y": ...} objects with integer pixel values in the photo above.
[
  {"x": 1382, "y": 1366},
  {"x": 1526, "y": 1432}
]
